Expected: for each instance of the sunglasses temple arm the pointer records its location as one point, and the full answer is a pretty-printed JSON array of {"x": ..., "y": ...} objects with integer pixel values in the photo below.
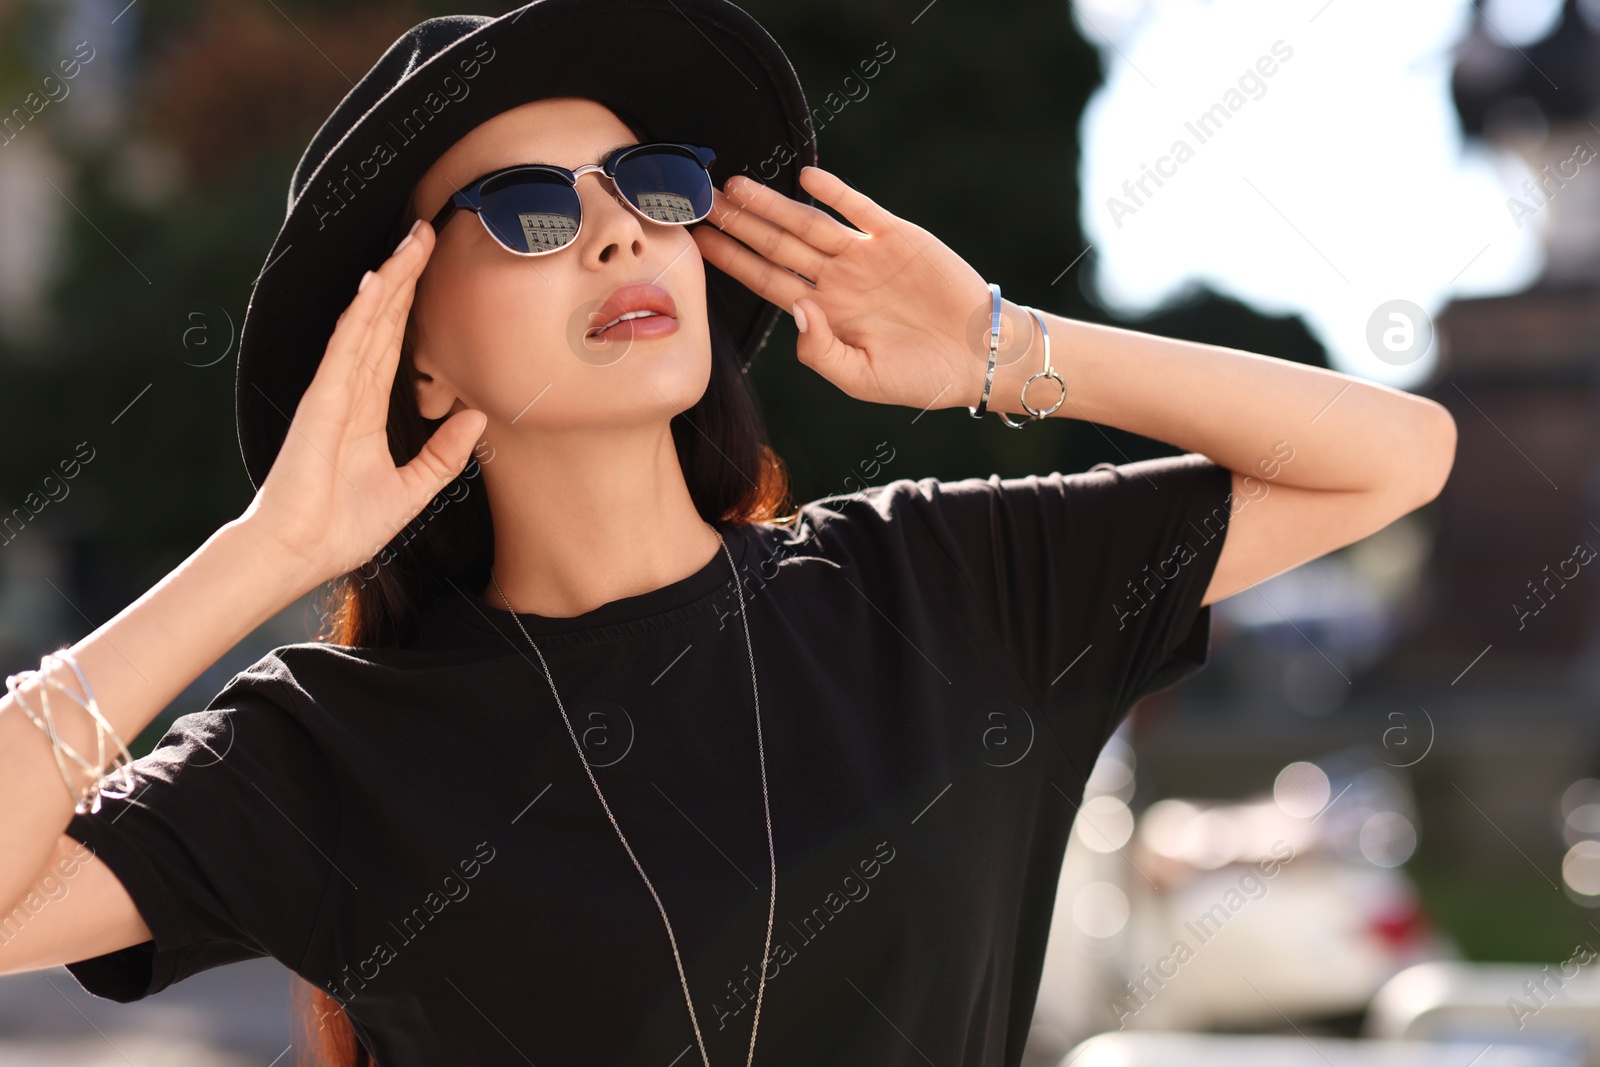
[{"x": 443, "y": 216}]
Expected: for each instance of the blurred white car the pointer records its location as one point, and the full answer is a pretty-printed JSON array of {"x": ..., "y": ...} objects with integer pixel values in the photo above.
[
  {"x": 1200, "y": 915},
  {"x": 1215, "y": 1050}
]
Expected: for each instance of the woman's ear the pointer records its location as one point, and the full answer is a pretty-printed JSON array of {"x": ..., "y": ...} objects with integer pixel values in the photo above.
[
  {"x": 436, "y": 401},
  {"x": 435, "y": 398}
]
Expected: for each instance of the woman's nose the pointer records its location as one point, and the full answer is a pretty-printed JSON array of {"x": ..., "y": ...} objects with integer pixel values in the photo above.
[{"x": 607, "y": 224}]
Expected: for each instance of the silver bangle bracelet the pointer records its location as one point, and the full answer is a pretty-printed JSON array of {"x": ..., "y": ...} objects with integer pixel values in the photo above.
[
  {"x": 88, "y": 801},
  {"x": 994, "y": 353},
  {"x": 1048, "y": 372}
]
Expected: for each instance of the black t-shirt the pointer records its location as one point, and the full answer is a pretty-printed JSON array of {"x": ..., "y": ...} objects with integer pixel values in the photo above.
[{"x": 939, "y": 663}]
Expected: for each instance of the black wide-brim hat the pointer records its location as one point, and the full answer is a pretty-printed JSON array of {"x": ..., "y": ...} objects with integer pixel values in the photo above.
[{"x": 696, "y": 71}]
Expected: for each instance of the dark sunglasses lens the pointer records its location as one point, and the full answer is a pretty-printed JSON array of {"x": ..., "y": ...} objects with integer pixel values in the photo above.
[
  {"x": 531, "y": 210},
  {"x": 666, "y": 184}
]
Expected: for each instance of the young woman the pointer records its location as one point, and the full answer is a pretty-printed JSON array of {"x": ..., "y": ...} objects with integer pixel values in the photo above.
[{"x": 607, "y": 759}]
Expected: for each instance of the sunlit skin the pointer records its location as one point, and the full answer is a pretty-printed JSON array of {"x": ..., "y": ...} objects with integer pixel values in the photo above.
[{"x": 586, "y": 473}]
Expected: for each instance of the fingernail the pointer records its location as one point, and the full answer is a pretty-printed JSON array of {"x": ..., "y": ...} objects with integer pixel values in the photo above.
[
  {"x": 799, "y": 318},
  {"x": 365, "y": 278},
  {"x": 407, "y": 238}
]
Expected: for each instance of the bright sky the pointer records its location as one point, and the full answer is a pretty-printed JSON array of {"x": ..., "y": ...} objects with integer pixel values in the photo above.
[{"x": 1331, "y": 187}]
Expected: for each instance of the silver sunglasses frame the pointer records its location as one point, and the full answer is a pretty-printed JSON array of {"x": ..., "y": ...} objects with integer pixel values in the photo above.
[{"x": 468, "y": 197}]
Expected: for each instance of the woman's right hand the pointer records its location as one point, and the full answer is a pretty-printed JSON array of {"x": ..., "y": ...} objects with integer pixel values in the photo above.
[{"x": 334, "y": 497}]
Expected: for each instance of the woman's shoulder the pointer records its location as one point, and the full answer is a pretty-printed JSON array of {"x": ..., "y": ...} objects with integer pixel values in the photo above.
[
  {"x": 873, "y": 530},
  {"x": 969, "y": 498},
  {"x": 861, "y": 507},
  {"x": 314, "y": 659},
  {"x": 313, "y": 681},
  {"x": 993, "y": 528}
]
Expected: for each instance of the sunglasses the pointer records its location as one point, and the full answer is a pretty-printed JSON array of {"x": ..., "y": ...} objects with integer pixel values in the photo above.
[{"x": 534, "y": 209}]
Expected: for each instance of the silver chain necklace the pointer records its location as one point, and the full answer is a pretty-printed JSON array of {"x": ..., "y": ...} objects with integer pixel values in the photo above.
[{"x": 772, "y": 902}]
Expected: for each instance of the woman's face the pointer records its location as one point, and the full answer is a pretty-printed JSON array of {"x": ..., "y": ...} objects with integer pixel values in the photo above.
[{"x": 494, "y": 331}]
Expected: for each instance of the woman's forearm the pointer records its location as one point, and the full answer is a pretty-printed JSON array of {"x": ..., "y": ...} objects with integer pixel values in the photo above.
[
  {"x": 1233, "y": 406},
  {"x": 136, "y": 663}
]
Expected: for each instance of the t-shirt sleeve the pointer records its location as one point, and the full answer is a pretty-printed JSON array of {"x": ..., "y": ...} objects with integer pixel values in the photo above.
[
  {"x": 224, "y": 844},
  {"x": 1090, "y": 581}
]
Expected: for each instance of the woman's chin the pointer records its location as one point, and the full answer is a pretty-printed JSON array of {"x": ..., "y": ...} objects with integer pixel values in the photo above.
[{"x": 673, "y": 375}]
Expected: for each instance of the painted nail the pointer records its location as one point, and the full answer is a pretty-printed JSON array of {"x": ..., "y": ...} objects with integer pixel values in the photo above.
[
  {"x": 799, "y": 318},
  {"x": 365, "y": 278},
  {"x": 412, "y": 233}
]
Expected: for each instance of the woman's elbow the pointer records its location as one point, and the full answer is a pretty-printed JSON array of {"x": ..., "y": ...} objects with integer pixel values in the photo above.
[{"x": 1436, "y": 451}]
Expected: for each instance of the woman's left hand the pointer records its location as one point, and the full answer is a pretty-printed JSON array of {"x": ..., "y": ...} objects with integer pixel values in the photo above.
[{"x": 892, "y": 315}]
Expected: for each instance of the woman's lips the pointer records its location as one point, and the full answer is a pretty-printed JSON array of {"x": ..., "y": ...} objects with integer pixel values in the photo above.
[
  {"x": 640, "y": 329},
  {"x": 633, "y": 298}
]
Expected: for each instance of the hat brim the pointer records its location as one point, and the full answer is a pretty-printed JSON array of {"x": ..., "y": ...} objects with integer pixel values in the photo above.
[{"x": 700, "y": 71}]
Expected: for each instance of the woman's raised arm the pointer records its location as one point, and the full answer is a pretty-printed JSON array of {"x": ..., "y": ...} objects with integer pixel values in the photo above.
[
  {"x": 332, "y": 500},
  {"x": 913, "y": 321}
]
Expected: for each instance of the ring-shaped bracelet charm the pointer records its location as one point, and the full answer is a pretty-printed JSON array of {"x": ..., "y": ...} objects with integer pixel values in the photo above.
[
  {"x": 1048, "y": 371},
  {"x": 994, "y": 354}
]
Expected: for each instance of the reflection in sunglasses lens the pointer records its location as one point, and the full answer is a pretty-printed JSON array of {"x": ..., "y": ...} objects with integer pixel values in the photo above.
[
  {"x": 666, "y": 185},
  {"x": 531, "y": 211}
]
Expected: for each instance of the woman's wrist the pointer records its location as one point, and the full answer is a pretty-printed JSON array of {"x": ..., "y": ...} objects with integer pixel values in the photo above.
[
  {"x": 138, "y": 661},
  {"x": 1021, "y": 354},
  {"x": 277, "y": 573}
]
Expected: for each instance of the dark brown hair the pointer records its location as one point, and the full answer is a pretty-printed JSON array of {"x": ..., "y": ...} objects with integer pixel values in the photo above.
[{"x": 731, "y": 473}]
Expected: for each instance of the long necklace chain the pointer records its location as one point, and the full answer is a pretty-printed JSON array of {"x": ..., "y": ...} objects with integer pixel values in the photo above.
[{"x": 772, "y": 902}]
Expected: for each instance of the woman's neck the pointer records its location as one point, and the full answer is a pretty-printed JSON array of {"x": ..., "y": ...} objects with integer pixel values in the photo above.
[{"x": 585, "y": 518}]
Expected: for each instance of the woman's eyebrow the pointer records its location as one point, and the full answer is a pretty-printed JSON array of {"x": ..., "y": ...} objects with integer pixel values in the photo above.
[{"x": 603, "y": 153}]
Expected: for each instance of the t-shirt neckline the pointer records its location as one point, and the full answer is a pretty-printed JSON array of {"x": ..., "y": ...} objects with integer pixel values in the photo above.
[{"x": 629, "y": 615}]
